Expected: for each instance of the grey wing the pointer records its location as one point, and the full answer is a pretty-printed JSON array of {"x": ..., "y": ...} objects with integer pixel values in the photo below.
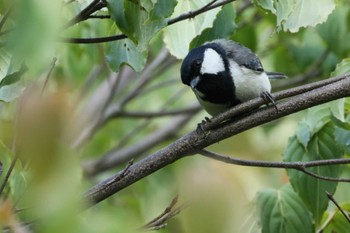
[{"x": 241, "y": 55}]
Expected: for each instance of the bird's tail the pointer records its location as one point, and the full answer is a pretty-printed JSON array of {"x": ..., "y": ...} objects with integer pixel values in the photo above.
[{"x": 276, "y": 75}]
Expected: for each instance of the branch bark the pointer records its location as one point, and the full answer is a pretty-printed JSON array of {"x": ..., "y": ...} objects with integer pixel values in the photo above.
[{"x": 194, "y": 141}]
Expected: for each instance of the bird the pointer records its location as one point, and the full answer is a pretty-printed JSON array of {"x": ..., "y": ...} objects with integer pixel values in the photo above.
[{"x": 223, "y": 73}]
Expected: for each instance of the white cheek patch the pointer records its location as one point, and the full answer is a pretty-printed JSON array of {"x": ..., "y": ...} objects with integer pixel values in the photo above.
[{"x": 212, "y": 62}]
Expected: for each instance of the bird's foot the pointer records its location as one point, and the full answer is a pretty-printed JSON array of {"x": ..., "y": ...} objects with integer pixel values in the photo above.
[
  {"x": 269, "y": 99},
  {"x": 200, "y": 128}
]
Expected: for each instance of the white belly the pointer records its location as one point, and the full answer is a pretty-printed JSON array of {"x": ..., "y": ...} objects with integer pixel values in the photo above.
[{"x": 248, "y": 83}]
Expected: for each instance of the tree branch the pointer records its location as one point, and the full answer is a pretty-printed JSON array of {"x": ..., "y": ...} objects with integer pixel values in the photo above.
[
  {"x": 193, "y": 142},
  {"x": 300, "y": 166},
  {"x": 330, "y": 197},
  {"x": 134, "y": 114}
]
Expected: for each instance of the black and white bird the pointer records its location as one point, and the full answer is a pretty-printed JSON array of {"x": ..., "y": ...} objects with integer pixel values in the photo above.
[{"x": 224, "y": 73}]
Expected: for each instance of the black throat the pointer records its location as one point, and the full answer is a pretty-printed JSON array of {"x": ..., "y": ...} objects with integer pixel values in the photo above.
[{"x": 218, "y": 88}]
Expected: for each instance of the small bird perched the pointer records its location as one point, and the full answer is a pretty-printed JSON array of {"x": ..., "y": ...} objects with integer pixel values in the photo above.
[{"x": 223, "y": 73}]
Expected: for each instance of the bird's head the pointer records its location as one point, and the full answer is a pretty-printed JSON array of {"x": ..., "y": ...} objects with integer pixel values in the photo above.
[{"x": 201, "y": 64}]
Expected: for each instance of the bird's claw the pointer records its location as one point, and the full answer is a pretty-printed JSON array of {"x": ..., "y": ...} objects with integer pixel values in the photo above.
[
  {"x": 200, "y": 127},
  {"x": 268, "y": 98}
]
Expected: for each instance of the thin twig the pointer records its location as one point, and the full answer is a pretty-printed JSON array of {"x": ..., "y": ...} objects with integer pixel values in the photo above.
[
  {"x": 330, "y": 197},
  {"x": 99, "y": 17},
  {"x": 191, "y": 14},
  {"x": 6, "y": 15},
  {"x": 300, "y": 166},
  {"x": 134, "y": 114},
  {"x": 8, "y": 173},
  {"x": 94, "y": 6},
  {"x": 93, "y": 40},
  {"x": 53, "y": 63},
  {"x": 160, "y": 221}
]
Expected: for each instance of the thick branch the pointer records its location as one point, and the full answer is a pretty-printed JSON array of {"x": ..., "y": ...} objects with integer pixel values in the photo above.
[{"x": 193, "y": 142}]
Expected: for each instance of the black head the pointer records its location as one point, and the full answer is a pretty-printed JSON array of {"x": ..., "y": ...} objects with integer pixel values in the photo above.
[
  {"x": 206, "y": 70},
  {"x": 192, "y": 64}
]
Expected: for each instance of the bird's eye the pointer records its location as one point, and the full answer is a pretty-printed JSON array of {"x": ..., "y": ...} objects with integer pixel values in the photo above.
[{"x": 197, "y": 63}]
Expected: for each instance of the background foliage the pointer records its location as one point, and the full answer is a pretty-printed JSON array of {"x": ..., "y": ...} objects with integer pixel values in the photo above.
[{"x": 87, "y": 86}]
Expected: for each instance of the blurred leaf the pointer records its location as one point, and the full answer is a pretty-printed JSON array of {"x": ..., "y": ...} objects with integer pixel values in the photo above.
[
  {"x": 335, "y": 30},
  {"x": 266, "y": 4},
  {"x": 125, "y": 52},
  {"x": 224, "y": 25},
  {"x": 336, "y": 222},
  {"x": 342, "y": 138},
  {"x": 342, "y": 68},
  {"x": 303, "y": 133},
  {"x": 10, "y": 92},
  {"x": 13, "y": 77},
  {"x": 283, "y": 211},
  {"x": 17, "y": 181},
  {"x": 5, "y": 59},
  {"x": 311, "y": 190},
  {"x": 306, "y": 49},
  {"x": 294, "y": 14},
  {"x": 178, "y": 36},
  {"x": 17, "y": 184}
]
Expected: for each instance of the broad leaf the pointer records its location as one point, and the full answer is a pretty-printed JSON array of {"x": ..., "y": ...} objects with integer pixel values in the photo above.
[
  {"x": 125, "y": 52},
  {"x": 266, "y": 4},
  {"x": 294, "y": 14},
  {"x": 223, "y": 26},
  {"x": 283, "y": 211},
  {"x": 342, "y": 68},
  {"x": 317, "y": 117},
  {"x": 178, "y": 36},
  {"x": 140, "y": 20},
  {"x": 335, "y": 30},
  {"x": 311, "y": 190}
]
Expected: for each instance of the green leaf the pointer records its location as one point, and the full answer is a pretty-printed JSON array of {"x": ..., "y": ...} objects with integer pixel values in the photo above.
[
  {"x": 224, "y": 25},
  {"x": 163, "y": 9},
  {"x": 342, "y": 137},
  {"x": 5, "y": 59},
  {"x": 126, "y": 15},
  {"x": 334, "y": 30},
  {"x": 266, "y": 4},
  {"x": 283, "y": 211},
  {"x": 336, "y": 222},
  {"x": 125, "y": 52},
  {"x": 140, "y": 20},
  {"x": 303, "y": 133},
  {"x": 16, "y": 182},
  {"x": 11, "y": 92},
  {"x": 342, "y": 68},
  {"x": 13, "y": 77},
  {"x": 294, "y": 14},
  {"x": 178, "y": 37},
  {"x": 311, "y": 190}
]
